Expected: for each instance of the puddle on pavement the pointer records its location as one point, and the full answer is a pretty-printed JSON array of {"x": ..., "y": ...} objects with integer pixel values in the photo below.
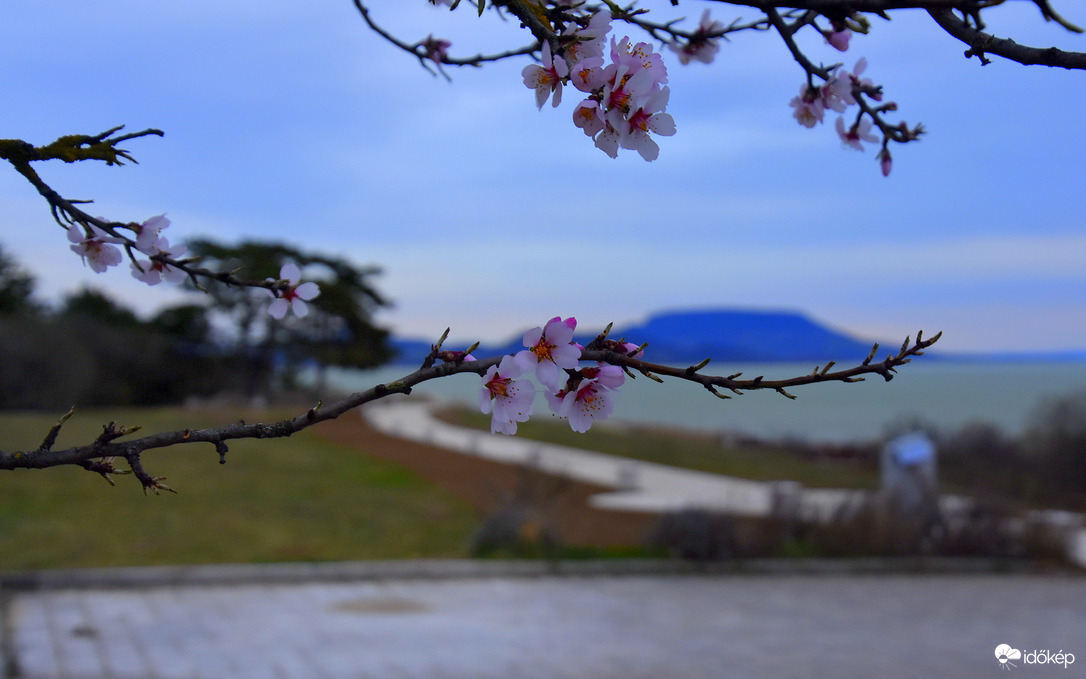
[{"x": 378, "y": 605}]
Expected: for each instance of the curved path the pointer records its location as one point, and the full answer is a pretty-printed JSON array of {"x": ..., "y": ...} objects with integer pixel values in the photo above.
[
  {"x": 645, "y": 486},
  {"x": 639, "y": 486}
]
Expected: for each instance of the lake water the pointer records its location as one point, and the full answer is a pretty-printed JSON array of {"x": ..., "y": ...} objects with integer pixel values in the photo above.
[{"x": 942, "y": 393}]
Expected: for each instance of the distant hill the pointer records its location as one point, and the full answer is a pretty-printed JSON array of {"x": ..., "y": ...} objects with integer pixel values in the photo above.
[
  {"x": 739, "y": 335},
  {"x": 723, "y": 335}
]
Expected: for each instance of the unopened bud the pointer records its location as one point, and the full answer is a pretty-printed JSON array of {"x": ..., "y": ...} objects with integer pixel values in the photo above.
[
  {"x": 886, "y": 162},
  {"x": 634, "y": 350}
]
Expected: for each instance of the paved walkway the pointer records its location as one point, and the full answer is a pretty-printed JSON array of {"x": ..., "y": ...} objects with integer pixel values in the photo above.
[
  {"x": 640, "y": 486},
  {"x": 583, "y": 627},
  {"x": 479, "y": 619},
  {"x": 645, "y": 486}
]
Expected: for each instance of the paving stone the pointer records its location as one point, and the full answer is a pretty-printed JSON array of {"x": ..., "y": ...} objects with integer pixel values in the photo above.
[{"x": 551, "y": 627}]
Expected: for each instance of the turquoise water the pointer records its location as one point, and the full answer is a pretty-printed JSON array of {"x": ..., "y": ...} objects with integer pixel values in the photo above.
[{"x": 944, "y": 394}]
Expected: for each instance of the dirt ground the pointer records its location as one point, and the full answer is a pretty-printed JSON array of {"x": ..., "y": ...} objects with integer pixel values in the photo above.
[{"x": 490, "y": 486}]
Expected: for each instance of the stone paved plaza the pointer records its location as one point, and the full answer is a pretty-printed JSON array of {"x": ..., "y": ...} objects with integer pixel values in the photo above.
[{"x": 550, "y": 627}]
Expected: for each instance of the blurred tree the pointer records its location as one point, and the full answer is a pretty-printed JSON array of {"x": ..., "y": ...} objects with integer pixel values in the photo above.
[
  {"x": 981, "y": 457},
  {"x": 189, "y": 324},
  {"x": 1056, "y": 439},
  {"x": 92, "y": 303},
  {"x": 16, "y": 287},
  {"x": 94, "y": 351},
  {"x": 338, "y": 328}
]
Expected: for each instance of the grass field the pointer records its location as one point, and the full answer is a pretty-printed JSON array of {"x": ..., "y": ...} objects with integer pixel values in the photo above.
[
  {"x": 703, "y": 452},
  {"x": 274, "y": 500},
  {"x": 297, "y": 499}
]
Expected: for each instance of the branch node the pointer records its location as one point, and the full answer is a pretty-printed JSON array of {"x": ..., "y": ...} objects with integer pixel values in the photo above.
[
  {"x": 652, "y": 377},
  {"x": 221, "y": 448},
  {"x": 113, "y": 431},
  {"x": 435, "y": 350},
  {"x": 694, "y": 368},
  {"x": 51, "y": 437},
  {"x": 782, "y": 392},
  {"x": 599, "y": 341},
  {"x": 714, "y": 392},
  {"x": 871, "y": 354},
  {"x": 152, "y": 483},
  {"x": 104, "y": 467}
]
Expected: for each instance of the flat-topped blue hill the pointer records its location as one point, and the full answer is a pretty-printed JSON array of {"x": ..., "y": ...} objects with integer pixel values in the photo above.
[
  {"x": 723, "y": 335},
  {"x": 741, "y": 335}
]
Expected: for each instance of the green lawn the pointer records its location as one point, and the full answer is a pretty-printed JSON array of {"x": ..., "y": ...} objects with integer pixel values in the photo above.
[
  {"x": 703, "y": 452},
  {"x": 296, "y": 499},
  {"x": 274, "y": 500}
]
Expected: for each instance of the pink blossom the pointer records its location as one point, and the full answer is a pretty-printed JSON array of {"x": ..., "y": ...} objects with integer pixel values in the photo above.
[
  {"x": 700, "y": 47},
  {"x": 550, "y": 350},
  {"x": 609, "y": 376},
  {"x": 808, "y": 106},
  {"x": 589, "y": 43},
  {"x": 436, "y": 49},
  {"x": 837, "y": 92},
  {"x": 508, "y": 399},
  {"x": 546, "y": 78},
  {"x": 852, "y": 136},
  {"x": 589, "y": 117},
  {"x": 648, "y": 118},
  {"x": 295, "y": 295},
  {"x": 865, "y": 84},
  {"x": 581, "y": 405},
  {"x": 640, "y": 58},
  {"x": 626, "y": 99},
  {"x": 838, "y": 37},
  {"x": 147, "y": 234},
  {"x": 97, "y": 250},
  {"x": 608, "y": 140},
  {"x": 620, "y": 88},
  {"x": 153, "y": 271},
  {"x": 625, "y": 85},
  {"x": 587, "y": 75}
]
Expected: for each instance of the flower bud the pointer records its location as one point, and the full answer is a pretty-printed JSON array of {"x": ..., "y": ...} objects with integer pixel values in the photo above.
[{"x": 885, "y": 162}]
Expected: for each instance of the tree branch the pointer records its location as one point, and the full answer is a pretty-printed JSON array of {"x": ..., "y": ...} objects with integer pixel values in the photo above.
[
  {"x": 885, "y": 368},
  {"x": 103, "y": 147},
  {"x": 97, "y": 455},
  {"x": 982, "y": 44},
  {"x": 786, "y": 32},
  {"x": 880, "y": 7},
  {"x": 419, "y": 49}
]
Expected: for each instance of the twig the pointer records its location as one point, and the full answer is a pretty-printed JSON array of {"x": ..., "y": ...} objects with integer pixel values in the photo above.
[
  {"x": 107, "y": 445},
  {"x": 982, "y": 44}
]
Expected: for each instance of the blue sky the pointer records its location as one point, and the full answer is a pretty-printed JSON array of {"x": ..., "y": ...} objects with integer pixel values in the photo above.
[{"x": 292, "y": 121}]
